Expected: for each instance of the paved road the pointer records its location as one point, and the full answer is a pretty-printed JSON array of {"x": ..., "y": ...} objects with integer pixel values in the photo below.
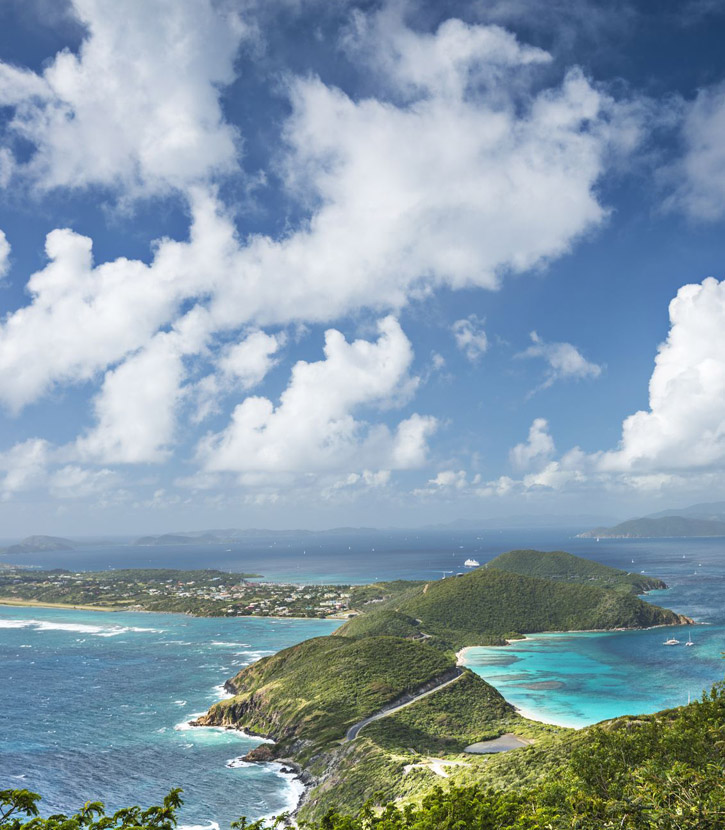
[{"x": 353, "y": 731}]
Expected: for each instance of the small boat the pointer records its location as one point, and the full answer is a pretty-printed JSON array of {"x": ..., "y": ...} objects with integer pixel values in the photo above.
[
  {"x": 472, "y": 563},
  {"x": 671, "y": 642},
  {"x": 689, "y": 640}
]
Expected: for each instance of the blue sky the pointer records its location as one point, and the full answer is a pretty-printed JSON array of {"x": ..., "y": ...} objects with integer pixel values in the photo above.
[{"x": 310, "y": 264}]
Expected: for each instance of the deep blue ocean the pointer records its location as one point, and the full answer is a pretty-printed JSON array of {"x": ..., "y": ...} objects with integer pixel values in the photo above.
[{"x": 94, "y": 705}]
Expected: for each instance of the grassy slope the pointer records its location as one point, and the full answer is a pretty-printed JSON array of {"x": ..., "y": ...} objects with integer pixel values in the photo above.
[
  {"x": 374, "y": 765},
  {"x": 489, "y": 605},
  {"x": 364, "y": 597},
  {"x": 560, "y": 565},
  {"x": 314, "y": 691},
  {"x": 467, "y": 711},
  {"x": 608, "y": 759}
]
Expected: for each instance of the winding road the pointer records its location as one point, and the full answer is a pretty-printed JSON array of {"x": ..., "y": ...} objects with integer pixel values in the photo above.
[{"x": 354, "y": 730}]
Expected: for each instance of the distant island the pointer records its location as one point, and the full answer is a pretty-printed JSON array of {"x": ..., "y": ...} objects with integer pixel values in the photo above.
[
  {"x": 667, "y": 526},
  {"x": 370, "y": 712},
  {"x": 231, "y": 535},
  {"x": 36, "y": 544},
  {"x": 707, "y": 519}
]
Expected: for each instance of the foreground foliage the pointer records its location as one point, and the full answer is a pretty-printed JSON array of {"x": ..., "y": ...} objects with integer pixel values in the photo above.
[
  {"x": 19, "y": 811},
  {"x": 662, "y": 772}
]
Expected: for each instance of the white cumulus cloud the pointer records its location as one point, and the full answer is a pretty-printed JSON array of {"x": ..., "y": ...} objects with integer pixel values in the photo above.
[
  {"x": 564, "y": 361},
  {"x": 24, "y": 466},
  {"x": 538, "y": 448},
  {"x": 137, "y": 404},
  {"x": 684, "y": 427},
  {"x": 701, "y": 171},
  {"x": 4, "y": 255},
  {"x": 470, "y": 337},
  {"x": 472, "y": 165},
  {"x": 313, "y": 427},
  {"x": 138, "y": 106},
  {"x": 241, "y": 366}
]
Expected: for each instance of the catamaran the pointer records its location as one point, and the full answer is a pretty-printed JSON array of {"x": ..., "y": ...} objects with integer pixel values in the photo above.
[
  {"x": 671, "y": 642},
  {"x": 689, "y": 640}
]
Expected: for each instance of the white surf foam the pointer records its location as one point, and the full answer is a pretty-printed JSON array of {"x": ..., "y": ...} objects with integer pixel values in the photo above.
[
  {"x": 78, "y": 628},
  {"x": 237, "y": 763},
  {"x": 186, "y": 725},
  {"x": 220, "y": 693}
]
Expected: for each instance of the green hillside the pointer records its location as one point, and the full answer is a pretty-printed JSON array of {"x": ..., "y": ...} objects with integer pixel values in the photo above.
[
  {"x": 560, "y": 565},
  {"x": 489, "y": 605},
  {"x": 314, "y": 691}
]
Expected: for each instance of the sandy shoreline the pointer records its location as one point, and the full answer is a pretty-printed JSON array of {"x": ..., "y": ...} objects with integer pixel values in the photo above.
[{"x": 33, "y": 603}]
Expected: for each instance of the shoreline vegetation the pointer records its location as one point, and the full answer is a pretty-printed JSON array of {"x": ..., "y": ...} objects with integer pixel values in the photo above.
[{"x": 308, "y": 698}]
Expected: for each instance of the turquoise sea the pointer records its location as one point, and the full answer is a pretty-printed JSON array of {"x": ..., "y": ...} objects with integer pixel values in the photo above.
[{"x": 95, "y": 705}]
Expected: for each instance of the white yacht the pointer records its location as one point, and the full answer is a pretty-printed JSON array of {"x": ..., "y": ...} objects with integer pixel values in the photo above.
[
  {"x": 472, "y": 563},
  {"x": 671, "y": 642}
]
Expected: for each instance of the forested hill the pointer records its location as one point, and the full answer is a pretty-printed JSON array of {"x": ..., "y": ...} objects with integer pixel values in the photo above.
[
  {"x": 490, "y": 605},
  {"x": 560, "y": 565}
]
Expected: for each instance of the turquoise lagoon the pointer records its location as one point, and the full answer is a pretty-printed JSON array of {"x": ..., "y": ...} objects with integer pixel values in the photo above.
[{"x": 580, "y": 679}]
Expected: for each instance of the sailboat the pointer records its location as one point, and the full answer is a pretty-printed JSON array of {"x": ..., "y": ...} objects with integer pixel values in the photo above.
[{"x": 689, "y": 640}]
